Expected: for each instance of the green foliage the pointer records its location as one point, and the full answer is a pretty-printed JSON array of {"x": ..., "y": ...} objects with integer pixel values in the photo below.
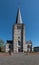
[
  {"x": 2, "y": 48},
  {"x": 1, "y": 43}
]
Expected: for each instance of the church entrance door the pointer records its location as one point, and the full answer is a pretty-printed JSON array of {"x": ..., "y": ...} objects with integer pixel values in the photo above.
[{"x": 19, "y": 50}]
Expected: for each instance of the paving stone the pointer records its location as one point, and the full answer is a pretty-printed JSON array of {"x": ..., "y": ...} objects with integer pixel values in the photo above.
[{"x": 19, "y": 59}]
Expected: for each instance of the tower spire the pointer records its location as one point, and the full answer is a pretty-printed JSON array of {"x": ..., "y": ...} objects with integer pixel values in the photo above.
[{"x": 19, "y": 18}]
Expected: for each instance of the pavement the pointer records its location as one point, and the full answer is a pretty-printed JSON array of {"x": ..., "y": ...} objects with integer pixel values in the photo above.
[{"x": 19, "y": 59}]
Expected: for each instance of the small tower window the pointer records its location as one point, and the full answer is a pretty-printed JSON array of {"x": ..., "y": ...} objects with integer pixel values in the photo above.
[{"x": 18, "y": 37}]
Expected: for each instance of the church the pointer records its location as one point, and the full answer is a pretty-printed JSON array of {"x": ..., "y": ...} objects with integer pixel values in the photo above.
[
  {"x": 18, "y": 42},
  {"x": 18, "y": 34}
]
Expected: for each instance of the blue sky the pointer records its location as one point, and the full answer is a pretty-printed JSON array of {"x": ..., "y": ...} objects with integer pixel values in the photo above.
[{"x": 30, "y": 16}]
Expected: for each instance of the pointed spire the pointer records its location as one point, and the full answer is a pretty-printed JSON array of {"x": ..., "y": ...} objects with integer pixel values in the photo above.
[{"x": 19, "y": 18}]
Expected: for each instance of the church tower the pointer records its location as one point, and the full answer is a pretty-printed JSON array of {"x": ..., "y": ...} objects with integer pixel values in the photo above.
[{"x": 18, "y": 34}]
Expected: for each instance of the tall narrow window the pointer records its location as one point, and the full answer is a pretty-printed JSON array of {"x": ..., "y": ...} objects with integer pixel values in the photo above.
[{"x": 18, "y": 42}]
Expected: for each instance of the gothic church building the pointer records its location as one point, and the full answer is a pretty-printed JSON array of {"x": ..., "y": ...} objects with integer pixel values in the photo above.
[
  {"x": 18, "y": 42},
  {"x": 18, "y": 34}
]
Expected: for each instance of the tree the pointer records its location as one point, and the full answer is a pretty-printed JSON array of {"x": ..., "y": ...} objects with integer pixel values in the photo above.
[{"x": 1, "y": 45}]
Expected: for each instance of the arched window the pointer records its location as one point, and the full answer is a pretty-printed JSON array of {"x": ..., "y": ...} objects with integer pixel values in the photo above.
[{"x": 19, "y": 43}]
